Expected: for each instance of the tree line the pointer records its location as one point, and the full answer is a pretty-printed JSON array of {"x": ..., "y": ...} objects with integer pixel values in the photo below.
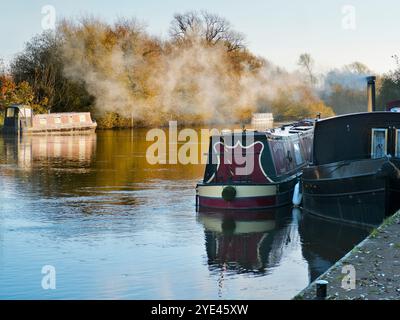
[{"x": 203, "y": 72}]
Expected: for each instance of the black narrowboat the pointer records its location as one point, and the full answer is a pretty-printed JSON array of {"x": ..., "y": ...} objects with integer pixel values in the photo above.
[
  {"x": 354, "y": 175},
  {"x": 255, "y": 169}
]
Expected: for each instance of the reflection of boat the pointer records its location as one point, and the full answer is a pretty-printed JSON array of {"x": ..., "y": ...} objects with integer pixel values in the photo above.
[
  {"x": 27, "y": 150},
  {"x": 249, "y": 243},
  {"x": 237, "y": 227},
  {"x": 20, "y": 119},
  {"x": 255, "y": 169},
  {"x": 243, "y": 242},
  {"x": 355, "y": 173},
  {"x": 326, "y": 241}
]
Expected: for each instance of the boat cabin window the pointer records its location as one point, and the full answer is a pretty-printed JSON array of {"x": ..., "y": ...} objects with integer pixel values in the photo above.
[
  {"x": 397, "y": 155},
  {"x": 10, "y": 113},
  {"x": 379, "y": 143},
  {"x": 82, "y": 118},
  {"x": 57, "y": 120},
  {"x": 297, "y": 154},
  {"x": 43, "y": 121}
]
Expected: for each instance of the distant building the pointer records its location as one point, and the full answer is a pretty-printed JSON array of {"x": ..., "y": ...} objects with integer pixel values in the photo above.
[{"x": 262, "y": 121}]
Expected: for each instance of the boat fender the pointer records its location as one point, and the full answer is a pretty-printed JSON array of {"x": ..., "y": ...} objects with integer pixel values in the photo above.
[
  {"x": 228, "y": 193},
  {"x": 297, "y": 195}
]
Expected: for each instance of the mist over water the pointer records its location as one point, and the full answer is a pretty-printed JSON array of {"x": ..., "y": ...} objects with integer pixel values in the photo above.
[
  {"x": 346, "y": 79},
  {"x": 151, "y": 81}
]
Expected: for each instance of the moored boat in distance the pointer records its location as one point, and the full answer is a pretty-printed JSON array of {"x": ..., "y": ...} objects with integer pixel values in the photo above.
[
  {"x": 19, "y": 119},
  {"x": 255, "y": 169},
  {"x": 354, "y": 175},
  {"x": 262, "y": 121}
]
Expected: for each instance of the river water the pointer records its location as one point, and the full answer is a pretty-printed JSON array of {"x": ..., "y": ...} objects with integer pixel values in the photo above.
[{"x": 115, "y": 227}]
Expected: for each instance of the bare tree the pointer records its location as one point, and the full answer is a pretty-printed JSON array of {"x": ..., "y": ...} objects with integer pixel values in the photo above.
[
  {"x": 212, "y": 28},
  {"x": 357, "y": 67},
  {"x": 307, "y": 63},
  {"x": 234, "y": 41},
  {"x": 2, "y": 67},
  {"x": 216, "y": 27},
  {"x": 184, "y": 24}
]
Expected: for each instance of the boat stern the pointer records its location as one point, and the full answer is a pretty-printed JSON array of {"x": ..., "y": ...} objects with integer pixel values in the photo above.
[{"x": 223, "y": 196}]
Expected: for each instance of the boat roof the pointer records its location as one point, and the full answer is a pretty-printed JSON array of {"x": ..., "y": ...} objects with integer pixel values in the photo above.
[
  {"x": 348, "y": 137},
  {"x": 23, "y": 107},
  {"x": 19, "y": 106},
  {"x": 285, "y": 130},
  {"x": 356, "y": 115},
  {"x": 60, "y": 113}
]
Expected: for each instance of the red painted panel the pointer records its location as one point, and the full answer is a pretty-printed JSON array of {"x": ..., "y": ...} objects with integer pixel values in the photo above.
[
  {"x": 241, "y": 203},
  {"x": 229, "y": 163},
  {"x": 244, "y": 215}
]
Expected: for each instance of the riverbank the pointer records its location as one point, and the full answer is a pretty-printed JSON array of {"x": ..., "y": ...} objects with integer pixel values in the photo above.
[{"x": 376, "y": 262}]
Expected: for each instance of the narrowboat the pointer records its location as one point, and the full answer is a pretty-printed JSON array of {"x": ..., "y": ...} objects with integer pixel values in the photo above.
[
  {"x": 19, "y": 119},
  {"x": 354, "y": 175},
  {"x": 255, "y": 169}
]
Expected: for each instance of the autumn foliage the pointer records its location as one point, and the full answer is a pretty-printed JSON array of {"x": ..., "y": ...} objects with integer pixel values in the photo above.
[{"x": 202, "y": 73}]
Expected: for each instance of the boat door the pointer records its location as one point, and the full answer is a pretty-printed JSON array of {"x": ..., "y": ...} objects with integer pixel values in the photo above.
[{"x": 11, "y": 120}]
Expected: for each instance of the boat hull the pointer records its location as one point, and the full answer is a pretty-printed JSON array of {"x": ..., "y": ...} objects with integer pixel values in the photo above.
[
  {"x": 248, "y": 196},
  {"x": 361, "y": 198},
  {"x": 394, "y": 190},
  {"x": 61, "y": 130},
  {"x": 364, "y": 208}
]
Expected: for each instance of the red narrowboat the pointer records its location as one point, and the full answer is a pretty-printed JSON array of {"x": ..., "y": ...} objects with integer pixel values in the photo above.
[{"x": 255, "y": 169}]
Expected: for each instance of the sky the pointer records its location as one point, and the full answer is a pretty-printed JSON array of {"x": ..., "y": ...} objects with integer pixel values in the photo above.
[{"x": 334, "y": 32}]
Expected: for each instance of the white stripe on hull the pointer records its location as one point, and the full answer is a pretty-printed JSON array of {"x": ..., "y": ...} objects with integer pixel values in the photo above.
[
  {"x": 241, "y": 227},
  {"x": 245, "y": 191}
]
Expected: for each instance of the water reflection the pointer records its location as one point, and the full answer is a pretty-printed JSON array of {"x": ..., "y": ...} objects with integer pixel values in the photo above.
[
  {"x": 26, "y": 151},
  {"x": 110, "y": 164},
  {"x": 115, "y": 226},
  {"x": 246, "y": 241},
  {"x": 325, "y": 241},
  {"x": 256, "y": 242}
]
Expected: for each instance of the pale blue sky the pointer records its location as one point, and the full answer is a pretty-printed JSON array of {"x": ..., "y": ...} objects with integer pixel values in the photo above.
[{"x": 277, "y": 30}]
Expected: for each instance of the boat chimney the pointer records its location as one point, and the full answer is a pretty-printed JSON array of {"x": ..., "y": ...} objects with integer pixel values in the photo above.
[{"x": 371, "y": 93}]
